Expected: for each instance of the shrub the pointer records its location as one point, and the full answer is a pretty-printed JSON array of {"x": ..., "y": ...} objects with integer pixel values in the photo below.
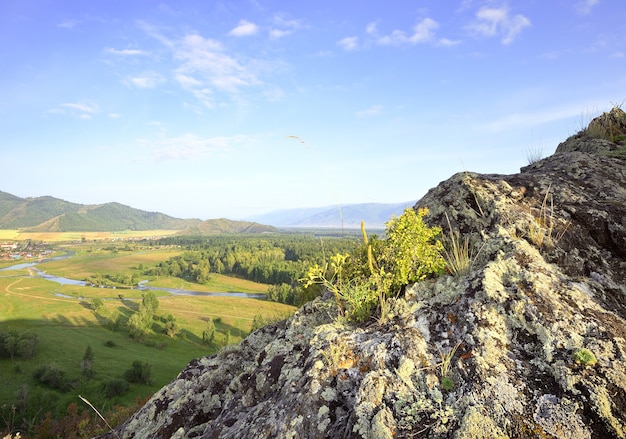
[
  {"x": 585, "y": 357},
  {"x": 115, "y": 387},
  {"x": 362, "y": 281},
  {"x": 52, "y": 377},
  {"x": 139, "y": 373}
]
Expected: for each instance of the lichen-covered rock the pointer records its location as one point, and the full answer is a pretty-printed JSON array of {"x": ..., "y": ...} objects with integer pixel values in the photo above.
[{"x": 487, "y": 355}]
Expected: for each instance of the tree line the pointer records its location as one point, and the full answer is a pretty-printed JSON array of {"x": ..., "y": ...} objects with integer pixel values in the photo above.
[{"x": 279, "y": 260}]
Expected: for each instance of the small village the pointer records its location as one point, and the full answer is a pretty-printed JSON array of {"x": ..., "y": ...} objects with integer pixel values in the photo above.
[{"x": 20, "y": 250}]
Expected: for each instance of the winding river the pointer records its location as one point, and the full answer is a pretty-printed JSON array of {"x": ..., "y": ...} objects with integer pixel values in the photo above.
[{"x": 142, "y": 286}]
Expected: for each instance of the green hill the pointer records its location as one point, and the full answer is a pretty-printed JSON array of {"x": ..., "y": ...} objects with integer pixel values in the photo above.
[
  {"x": 49, "y": 214},
  {"x": 222, "y": 225}
]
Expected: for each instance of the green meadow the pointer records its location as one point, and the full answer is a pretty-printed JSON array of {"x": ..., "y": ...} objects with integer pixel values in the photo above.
[{"x": 63, "y": 318}]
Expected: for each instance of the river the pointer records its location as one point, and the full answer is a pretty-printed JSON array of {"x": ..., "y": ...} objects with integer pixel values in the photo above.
[{"x": 142, "y": 286}]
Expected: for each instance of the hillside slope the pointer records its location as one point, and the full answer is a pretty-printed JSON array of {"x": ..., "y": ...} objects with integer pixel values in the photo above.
[{"x": 547, "y": 284}]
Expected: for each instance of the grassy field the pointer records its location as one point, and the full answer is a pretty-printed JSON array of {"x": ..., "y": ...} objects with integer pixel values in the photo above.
[
  {"x": 65, "y": 324},
  {"x": 18, "y": 235}
]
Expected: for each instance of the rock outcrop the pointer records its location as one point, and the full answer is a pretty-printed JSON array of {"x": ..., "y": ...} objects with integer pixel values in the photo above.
[{"x": 531, "y": 343}]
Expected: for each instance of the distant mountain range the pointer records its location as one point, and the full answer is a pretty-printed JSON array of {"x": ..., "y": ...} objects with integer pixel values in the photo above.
[
  {"x": 49, "y": 214},
  {"x": 375, "y": 215}
]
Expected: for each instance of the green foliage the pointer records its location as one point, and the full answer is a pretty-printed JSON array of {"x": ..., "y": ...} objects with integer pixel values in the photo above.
[
  {"x": 411, "y": 252},
  {"x": 96, "y": 304},
  {"x": 114, "y": 387},
  {"x": 361, "y": 282},
  {"x": 86, "y": 365},
  {"x": 208, "y": 335},
  {"x": 458, "y": 254},
  {"x": 171, "y": 327},
  {"x": 22, "y": 345},
  {"x": 53, "y": 378},
  {"x": 149, "y": 303},
  {"x": 279, "y": 260},
  {"x": 140, "y": 373},
  {"x": 585, "y": 357}
]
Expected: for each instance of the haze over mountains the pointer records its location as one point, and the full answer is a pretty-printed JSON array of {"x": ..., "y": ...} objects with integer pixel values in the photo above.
[{"x": 50, "y": 214}]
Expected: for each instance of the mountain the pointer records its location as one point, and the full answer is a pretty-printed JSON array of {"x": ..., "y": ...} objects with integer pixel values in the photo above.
[
  {"x": 222, "y": 225},
  {"x": 530, "y": 342},
  {"x": 49, "y": 214},
  {"x": 375, "y": 215}
]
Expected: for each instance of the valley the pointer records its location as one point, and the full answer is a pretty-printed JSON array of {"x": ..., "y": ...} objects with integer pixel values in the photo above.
[{"x": 93, "y": 311}]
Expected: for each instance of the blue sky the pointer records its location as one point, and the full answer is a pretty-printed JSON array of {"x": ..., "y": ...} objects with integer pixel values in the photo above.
[{"x": 209, "y": 109}]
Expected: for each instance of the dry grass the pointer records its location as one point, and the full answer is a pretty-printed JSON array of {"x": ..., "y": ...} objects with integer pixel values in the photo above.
[
  {"x": 18, "y": 235},
  {"x": 458, "y": 254},
  {"x": 542, "y": 230}
]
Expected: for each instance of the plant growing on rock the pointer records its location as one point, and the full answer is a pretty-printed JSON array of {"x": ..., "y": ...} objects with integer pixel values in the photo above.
[
  {"x": 361, "y": 282},
  {"x": 459, "y": 256},
  {"x": 585, "y": 357}
]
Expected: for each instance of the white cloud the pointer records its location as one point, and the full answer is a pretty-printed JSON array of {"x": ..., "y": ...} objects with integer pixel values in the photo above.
[
  {"x": 115, "y": 115},
  {"x": 192, "y": 147},
  {"x": 279, "y": 33},
  {"x": 204, "y": 68},
  {"x": 284, "y": 26},
  {"x": 145, "y": 80},
  {"x": 67, "y": 24},
  {"x": 584, "y": 7},
  {"x": 244, "y": 29},
  {"x": 126, "y": 52},
  {"x": 491, "y": 22},
  {"x": 80, "y": 110},
  {"x": 448, "y": 42},
  {"x": 281, "y": 21},
  {"x": 349, "y": 43},
  {"x": 374, "y": 110},
  {"x": 422, "y": 31},
  {"x": 617, "y": 55}
]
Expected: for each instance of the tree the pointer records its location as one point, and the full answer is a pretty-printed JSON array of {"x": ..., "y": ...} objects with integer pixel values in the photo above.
[
  {"x": 96, "y": 304},
  {"x": 149, "y": 303},
  {"x": 208, "y": 335},
  {"x": 87, "y": 363},
  {"x": 139, "y": 324},
  {"x": 171, "y": 328}
]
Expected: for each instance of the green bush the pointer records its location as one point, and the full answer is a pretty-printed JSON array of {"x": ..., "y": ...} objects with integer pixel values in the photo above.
[
  {"x": 52, "y": 377},
  {"x": 115, "y": 387},
  {"x": 139, "y": 373},
  {"x": 361, "y": 282}
]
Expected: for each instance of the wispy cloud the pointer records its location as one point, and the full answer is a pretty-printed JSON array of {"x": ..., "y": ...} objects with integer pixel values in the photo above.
[
  {"x": 584, "y": 7},
  {"x": 125, "y": 52},
  {"x": 67, "y": 24},
  {"x": 145, "y": 80},
  {"x": 492, "y": 22},
  {"x": 283, "y": 26},
  {"x": 423, "y": 31},
  {"x": 244, "y": 29},
  {"x": 532, "y": 119},
  {"x": 205, "y": 60},
  {"x": 349, "y": 43},
  {"x": 77, "y": 109},
  {"x": 374, "y": 110},
  {"x": 192, "y": 147},
  {"x": 206, "y": 68}
]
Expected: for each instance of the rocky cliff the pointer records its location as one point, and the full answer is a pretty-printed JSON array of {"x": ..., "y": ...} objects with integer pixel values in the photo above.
[{"x": 530, "y": 343}]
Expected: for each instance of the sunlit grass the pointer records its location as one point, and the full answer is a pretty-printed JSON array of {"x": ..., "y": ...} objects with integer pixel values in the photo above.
[{"x": 18, "y": 235}]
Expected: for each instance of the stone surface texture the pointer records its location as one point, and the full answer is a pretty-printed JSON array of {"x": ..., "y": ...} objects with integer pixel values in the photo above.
[{"x": 548, "y": 280}]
